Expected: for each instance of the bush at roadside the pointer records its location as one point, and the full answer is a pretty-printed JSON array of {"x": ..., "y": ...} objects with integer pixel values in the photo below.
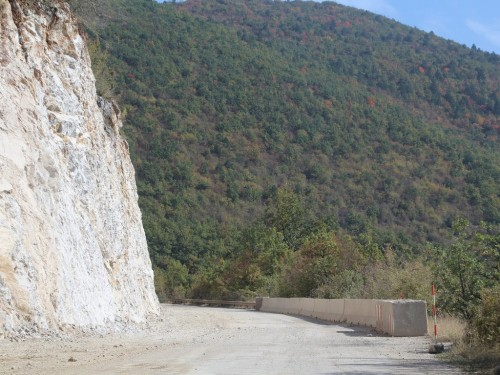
[{"x": 486, "y": 321}]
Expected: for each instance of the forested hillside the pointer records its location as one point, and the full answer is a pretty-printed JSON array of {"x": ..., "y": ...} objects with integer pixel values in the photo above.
[{"x": 339, "y": 121}]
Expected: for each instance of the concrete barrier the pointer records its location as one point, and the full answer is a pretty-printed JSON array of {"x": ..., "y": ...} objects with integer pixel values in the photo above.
[
  {"x": 395, "y": 317},
  {"x": 307, "y": 307},
  {"x": 321, "y": 309},
  {"x": 267, "y": 304},
  {"x": 360, "y": 311},
  {"x": 410, "y": 318},
  {"x": 336, "y": 309},
  {"x": 258, "y": 303},
  {"x": 281, "y": 305},
  {"x": 295, "y": 306},
  {"x": 292, "y": 306}
]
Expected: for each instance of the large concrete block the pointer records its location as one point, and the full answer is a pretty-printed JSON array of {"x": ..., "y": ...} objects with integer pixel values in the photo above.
[{"x": 410, "y": 318}]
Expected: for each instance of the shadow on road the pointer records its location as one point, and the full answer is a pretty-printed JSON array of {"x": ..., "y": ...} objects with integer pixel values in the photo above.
[{"x": 383, "y": 367}]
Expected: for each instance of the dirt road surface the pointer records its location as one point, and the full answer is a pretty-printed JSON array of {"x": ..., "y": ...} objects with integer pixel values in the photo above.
[{"x": 205, "y": 340}]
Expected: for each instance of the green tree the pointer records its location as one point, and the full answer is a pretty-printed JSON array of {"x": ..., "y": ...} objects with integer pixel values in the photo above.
[
  {"x": 287, "y": 214},
  {"x": 104, "y": 76},
  {"x": 466, "y": 267},
  {"x": 487, "y": 317},
  {"x": 325, "y": 267},
  {"x": 171, "y": 279}
]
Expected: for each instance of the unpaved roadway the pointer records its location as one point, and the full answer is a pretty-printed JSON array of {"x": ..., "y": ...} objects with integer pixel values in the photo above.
[{"x": 204, "y": 340}]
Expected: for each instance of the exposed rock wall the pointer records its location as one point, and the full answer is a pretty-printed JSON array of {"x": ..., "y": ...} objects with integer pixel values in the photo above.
[{"x": 72, "y": 246}]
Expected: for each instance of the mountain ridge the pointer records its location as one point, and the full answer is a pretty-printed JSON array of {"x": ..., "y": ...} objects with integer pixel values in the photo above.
[{"x": 382, "y": 129}]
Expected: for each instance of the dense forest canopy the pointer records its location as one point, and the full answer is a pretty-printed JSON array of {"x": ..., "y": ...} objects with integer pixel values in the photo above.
[{"x": 297, "y": 144}]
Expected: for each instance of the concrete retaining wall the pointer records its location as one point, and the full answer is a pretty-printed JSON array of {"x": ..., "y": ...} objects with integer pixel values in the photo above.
[{"x": 397, "y": 318}]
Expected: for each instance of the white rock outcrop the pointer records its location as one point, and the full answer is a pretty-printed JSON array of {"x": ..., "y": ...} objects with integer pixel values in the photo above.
[{"x": 73, "y": 251}]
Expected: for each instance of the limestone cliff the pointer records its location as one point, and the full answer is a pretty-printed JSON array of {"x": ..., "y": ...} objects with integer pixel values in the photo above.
[{"x": 72, "y": 247}]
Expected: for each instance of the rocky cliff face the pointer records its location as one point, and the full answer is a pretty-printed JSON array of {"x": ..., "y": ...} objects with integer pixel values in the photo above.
[{"x": 72, "y": 247}]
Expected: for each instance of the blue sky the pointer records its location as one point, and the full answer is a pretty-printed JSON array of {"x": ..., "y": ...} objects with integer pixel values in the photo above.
[{"x": 464, "y": 21}]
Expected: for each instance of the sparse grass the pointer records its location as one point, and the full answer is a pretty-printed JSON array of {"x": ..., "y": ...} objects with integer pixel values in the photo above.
[
  {"x": 450, "y": 329},
  {"x": 467, "y": 350}
]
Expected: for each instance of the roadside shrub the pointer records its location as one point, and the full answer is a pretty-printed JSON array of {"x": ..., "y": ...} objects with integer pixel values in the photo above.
[
  {"x": 171, "y": 279},
  {"x": 392, "y": 276},
  {"x": 487, "y": 318}
]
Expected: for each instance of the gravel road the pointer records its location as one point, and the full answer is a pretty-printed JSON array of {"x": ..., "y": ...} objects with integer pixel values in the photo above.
[{"x": 205, "y": 340}]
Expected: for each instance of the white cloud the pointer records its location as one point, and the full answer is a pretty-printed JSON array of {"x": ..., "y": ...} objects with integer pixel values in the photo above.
[
  {"x": 491, "y": 33},
  {"x": 375, "y": 6}
]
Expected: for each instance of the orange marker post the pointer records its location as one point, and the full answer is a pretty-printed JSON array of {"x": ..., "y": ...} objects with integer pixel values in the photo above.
[{"x": 434, "y": 310}]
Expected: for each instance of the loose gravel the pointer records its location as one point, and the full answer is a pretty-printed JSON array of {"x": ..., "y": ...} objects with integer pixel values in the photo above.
[{"x": 207, "y": 340}]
